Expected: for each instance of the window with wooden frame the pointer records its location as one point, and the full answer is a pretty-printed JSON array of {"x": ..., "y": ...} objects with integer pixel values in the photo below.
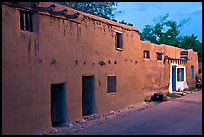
[
  {"x": 159, "y": 56},
  {"x": 192, "y": 72},
  {"x": 180, "y": 74},
  {"x": 184, "y": 54},
  {"x": 146, "y": 54},
  {"x": 119, "y": 40},
  {"x": 26, "y": 21},
  {"x": 111, "y": 84}
]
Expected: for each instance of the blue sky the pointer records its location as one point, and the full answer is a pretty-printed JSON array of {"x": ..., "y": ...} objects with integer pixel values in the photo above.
[{"x": 142, "y": 13}]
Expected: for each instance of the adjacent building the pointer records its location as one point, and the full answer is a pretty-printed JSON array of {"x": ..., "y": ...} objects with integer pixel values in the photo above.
[{"x": 59, "y": 64}]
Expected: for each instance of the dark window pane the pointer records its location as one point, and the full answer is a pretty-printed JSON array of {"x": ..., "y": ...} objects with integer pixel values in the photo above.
[
  {"x": 119, "y": 40},
  {"x": 146, "y": 54},
  {"x": 26, "y": 21},
  {"x": 159, "y": 56},
  {"x": 31, "y": 22},
  {"x": 22, "y": 20}
]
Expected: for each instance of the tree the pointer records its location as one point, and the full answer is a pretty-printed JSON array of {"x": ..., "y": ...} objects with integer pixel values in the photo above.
[
  {"x": 102, "y": 9},
  {"x": 191, "y": 42},
  {"x": 167, "y": 32},
  {"x": 163, "y": 32},
  {"x": 123, "y": 22}
]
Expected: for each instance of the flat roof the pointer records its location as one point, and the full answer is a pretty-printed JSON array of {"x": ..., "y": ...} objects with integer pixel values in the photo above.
[{"x": 27, "y": 5}]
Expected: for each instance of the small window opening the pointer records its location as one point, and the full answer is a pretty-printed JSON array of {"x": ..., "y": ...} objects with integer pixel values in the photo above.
[
  {"x": 146, "y": 54},
  {"x": 111, "y": 83},
  {"x": 119, "y": 41},
  {"x": 180, "y": 74},
  {"x": 26, "y": 21},
  {"x": 159, "y": 56}
]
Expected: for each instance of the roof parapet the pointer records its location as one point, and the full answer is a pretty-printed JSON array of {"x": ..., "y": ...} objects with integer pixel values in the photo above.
[{"x": 49, "y": 8}]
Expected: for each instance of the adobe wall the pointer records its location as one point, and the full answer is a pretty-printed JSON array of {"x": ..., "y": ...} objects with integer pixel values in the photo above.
[
  {"x": 157, "y": 73},
  {"x": 28, "y": 71},
  {"x": 193, "y": 56},
  {"x": 59, "y": 51}
]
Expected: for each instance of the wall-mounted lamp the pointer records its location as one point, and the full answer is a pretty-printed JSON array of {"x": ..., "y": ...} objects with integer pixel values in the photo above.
[
  {"x": 64, "y": 11},
  {"x": 51, "y": 8},
  {"x": 162, "y": 52},
  {"x": 34, "y": 4}
]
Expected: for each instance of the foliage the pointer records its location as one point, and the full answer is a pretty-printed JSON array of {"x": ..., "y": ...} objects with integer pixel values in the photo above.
[
  {"x": 191, "y": 42},
  {"x": 114, "y": 20},
  {"x": 123, "y": 22},
  {"x": 168, "y": 32},
  {"x": 102, "y": 9},
  {"x": 163, "y": 32}
]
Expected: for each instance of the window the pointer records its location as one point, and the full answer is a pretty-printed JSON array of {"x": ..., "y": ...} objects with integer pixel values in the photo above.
[
  {"x": 192, "y": 72},
  {"x": 111, "y": 84},
  {"x": 159, "y": 56},
  {"x": 146, "y": 54},
  {"x": 184, "y": 54},
  {"x": 119, "y": 41},
  {"x": 180, "y": 74},
  {"x": 26, "y": 21}
]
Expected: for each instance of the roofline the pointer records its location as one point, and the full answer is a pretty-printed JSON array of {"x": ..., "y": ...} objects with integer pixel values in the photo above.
[
  {"x": 163, "y": 45},
  {"x": 25, "y": 5}
]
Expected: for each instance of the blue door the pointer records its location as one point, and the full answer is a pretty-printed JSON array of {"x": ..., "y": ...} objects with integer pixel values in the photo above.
[{"x": 174, "y": 78}]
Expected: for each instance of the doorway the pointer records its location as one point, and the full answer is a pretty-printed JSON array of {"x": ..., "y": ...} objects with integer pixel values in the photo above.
[
  {"x": 88, "y": 97},
  {"x": 58, "y": 105},
  {"x": 174, "y": 78}
]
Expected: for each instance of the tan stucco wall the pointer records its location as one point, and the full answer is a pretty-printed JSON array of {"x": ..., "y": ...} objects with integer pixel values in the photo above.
[
  {"x": 192, "y": 62},
  {"x": 157, "y": 74},
  {"x": 27, "y": 71}
]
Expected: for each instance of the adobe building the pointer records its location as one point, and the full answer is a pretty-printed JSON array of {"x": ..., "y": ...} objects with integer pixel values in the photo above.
[{"x": 59, "y": 64}]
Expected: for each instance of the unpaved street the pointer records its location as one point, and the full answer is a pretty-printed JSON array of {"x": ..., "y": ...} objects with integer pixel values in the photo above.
[{"x": 181, "y": 116}]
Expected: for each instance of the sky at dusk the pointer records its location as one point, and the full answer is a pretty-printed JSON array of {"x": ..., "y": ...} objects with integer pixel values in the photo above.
[{"x": 142, "y": 13}]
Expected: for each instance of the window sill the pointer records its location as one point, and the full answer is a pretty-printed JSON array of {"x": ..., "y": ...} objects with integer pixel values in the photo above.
[
  {"x": 112, "y": 93},
  {"x": 146, "y": 58},
  {"x": 119, "y": 49},
  {"x": 25, "y": 31},
  {"x": 159, "y": 61},
  {"x": 180, "y": 81}
]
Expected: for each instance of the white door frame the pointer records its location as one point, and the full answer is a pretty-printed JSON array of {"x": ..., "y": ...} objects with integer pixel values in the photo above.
[{"x": 179, "y": 84}]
